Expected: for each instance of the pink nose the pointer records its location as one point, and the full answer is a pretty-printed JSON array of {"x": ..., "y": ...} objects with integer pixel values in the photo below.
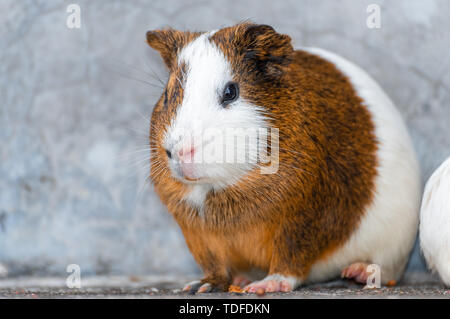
[{"x": 186, "y": 154}]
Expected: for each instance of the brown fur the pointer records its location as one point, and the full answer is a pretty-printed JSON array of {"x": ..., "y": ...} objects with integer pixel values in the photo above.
[{"x": 280, "y": 223}]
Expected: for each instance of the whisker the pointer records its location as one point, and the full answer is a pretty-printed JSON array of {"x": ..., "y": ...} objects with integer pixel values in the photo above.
[
  {"x": 112, "y": 65},
  {"x": 154, "y": 73}
]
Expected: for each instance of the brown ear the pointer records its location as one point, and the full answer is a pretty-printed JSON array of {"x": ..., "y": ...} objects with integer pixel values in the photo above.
[
  {"x": 269, "y": 50},
  {"x": 168, "y": 43}
]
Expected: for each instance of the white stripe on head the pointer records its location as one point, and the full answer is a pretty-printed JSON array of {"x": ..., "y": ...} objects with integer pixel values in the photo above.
[{"x": 207, "y": 71}]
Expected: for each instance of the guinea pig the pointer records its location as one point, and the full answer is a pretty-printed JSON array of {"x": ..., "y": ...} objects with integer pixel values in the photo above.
[
  {"x": 435, "y": 222},
  {"x": 341, "y": 192}
]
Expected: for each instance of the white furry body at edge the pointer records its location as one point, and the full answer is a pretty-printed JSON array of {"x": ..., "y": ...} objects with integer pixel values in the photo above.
[
  {"x": 435, "y": 222},
  {"x": 388, "y": 229}
]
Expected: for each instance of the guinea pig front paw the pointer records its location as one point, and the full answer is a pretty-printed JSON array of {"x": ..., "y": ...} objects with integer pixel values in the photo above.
[
  {"x": 192, "y": 286},
  {"x": 205, "y": 286},
  {"x": 273, "y": 283},
  {"x": 240, "y": 281}
]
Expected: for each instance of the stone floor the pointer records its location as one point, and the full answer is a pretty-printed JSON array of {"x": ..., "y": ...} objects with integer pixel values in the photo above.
[{"x": 418, "y": 285}]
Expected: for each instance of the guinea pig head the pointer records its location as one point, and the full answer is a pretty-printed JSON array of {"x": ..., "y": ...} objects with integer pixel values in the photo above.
[{"x": 212, "y": 122}]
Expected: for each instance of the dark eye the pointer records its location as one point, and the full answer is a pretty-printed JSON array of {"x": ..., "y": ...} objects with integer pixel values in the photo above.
[{"x": 230, "y": 93}]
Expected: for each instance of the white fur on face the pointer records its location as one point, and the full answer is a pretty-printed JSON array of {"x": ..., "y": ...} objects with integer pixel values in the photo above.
[{"x": 207, "y": 73}]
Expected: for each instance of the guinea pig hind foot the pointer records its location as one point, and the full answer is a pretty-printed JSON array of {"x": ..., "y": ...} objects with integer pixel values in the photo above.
[{"x": 357, "y": 272}]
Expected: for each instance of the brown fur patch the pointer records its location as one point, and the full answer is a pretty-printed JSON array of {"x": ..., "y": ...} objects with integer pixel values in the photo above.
[
  {"x": 169, "y": 43},
  {"x": 281, "y": 223}
]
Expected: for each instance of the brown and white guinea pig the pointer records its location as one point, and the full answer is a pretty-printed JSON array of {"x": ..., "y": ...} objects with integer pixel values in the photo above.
[{"x": 347, "y": 189}]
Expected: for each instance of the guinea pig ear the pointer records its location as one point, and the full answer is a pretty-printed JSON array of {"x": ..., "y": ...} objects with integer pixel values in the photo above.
[
  {"x": 271, "y": 51},
  {"x": 168, "y": 43}
]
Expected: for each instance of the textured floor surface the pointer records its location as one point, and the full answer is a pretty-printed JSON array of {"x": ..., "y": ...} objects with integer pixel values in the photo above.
[{"x": 417, "y": 285}]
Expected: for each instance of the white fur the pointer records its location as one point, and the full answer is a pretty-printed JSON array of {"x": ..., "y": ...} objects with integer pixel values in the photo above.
[
  {"x": 389, "y": 226},
  {"x": 207, "y": 72},
  {"x": 196, "y": 196},
  {"x": 435, "y": 222}
]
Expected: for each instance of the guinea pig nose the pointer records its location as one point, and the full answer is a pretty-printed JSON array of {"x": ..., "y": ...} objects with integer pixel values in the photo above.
[
  {"x": 169, "y": 154},
  {"x": 186, "y": 153}
]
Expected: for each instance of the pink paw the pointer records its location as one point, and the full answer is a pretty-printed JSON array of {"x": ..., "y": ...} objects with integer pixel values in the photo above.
[
  {"x": 199, "y": 287},
  {"x": 192, "y": 286},
  {"x": 274, "y": 283},
  {"x": 357, "y": 272}
]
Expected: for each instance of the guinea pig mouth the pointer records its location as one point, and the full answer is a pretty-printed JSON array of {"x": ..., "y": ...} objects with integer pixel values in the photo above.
[
  {"x": 186, "y": 179},
  {"x": 191, "y": 179},
  {"x": 184, "y": 175}
]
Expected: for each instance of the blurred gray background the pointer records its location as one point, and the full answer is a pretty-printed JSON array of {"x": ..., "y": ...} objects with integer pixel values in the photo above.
[{"x": 74, "y": 108}]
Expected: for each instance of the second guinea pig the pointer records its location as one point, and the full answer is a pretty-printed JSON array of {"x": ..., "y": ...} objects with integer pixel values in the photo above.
[
  {"x": 344, "y": 190},
  {"x": 435, "y": 222}
]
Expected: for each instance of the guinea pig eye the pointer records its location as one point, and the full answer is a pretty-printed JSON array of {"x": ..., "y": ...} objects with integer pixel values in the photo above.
[{"x": 230, "y": 93}]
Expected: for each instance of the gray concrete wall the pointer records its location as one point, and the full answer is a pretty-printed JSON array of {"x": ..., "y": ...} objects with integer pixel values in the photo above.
[{"x": 74, "y": 105}]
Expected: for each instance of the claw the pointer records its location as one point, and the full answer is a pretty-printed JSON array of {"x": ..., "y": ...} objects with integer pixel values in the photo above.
[
  {"x": 205, "y": 288},
  {"x": 192, "y": 286}
]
